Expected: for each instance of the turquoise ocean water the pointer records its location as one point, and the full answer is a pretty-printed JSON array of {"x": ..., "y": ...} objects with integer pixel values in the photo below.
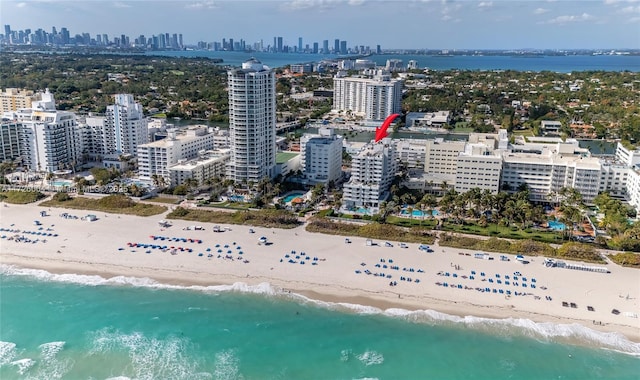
[{"x": 86, "y": 327}]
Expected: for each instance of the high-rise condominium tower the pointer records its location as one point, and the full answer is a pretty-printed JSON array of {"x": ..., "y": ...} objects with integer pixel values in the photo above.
[
  {"x": 252, "y": 122},
  {"x": 125, "y": 126}
]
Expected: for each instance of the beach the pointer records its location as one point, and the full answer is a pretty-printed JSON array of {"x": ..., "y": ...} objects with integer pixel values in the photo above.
[{"x": 386, "y": 278}]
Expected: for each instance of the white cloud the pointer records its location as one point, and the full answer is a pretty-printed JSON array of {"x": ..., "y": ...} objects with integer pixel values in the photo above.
[
  {"x": 630, "y": 9},
  {"x": 561, "y": 20},
  {"x": 207, "y": 4},
  {"x": 540, "y": 11},
  {"x": 485, "y": 4},
  {"x": 616, "y": 2},
  {"x": 21, "y": 5},
  {"x": 297, "y": 5},
  {"x": 355, "y": 2},
  {"x": 119, "y": 4}
]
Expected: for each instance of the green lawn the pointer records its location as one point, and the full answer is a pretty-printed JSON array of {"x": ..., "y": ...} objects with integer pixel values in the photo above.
[
  {"x": 162, "y": 200},
  {"x": 503, "y": 232},
  {"x": 117, "y": 204},
  {"x": 283, "y": 157},
  {"x": 412, "y": 222},
  {"x": 20, "y": 197}
]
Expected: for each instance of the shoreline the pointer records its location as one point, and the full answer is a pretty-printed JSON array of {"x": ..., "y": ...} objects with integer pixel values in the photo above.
[{"x": 330, "y": 276}]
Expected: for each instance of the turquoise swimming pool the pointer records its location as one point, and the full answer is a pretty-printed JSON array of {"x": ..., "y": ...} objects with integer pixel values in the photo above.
[
  {"x": 291, "y": 196},
  {"x": 555, "y": 225},
  {"x": 418, "y": 213},
  {"x": 61, "y": 183}
]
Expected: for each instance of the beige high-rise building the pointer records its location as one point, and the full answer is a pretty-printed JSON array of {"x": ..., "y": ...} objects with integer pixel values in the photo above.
[{"x": 13, "y": 99}]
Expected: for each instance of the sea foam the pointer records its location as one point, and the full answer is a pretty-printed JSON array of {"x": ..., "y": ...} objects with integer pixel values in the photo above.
[
  {"x": 150, "y": 358},
  {"x": 563, "y": 333},
  {"x": 7, "y": 352}
]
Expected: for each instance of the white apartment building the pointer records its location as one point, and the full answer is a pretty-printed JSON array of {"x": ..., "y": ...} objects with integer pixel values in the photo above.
[
  {"x": 372, "y": 171},
  {"x": 210, "y": 164},
  {"x": 411, "y": 152},
  {"x": 50, "y": 140},
  {"x": 252, "y": 122},
  {"x": 627, "y": 157},
  {"x": 373, "y": 99},
  {"x": 614, "y": 178},
  {"x": 125, "y": 126},
  {"x": 546, "y": 173},
  {"x": 479, "y": 166},
  {"x": 441, "y": 157},
  {"x": 155, "y": 158},
  {"x": 321, "y": 156},
  {"x": 9, "y": 140},
  {"x": 94, "y": 136},
  {"x": 633, "y": 187},
  {"x": 13, "y": 99}
]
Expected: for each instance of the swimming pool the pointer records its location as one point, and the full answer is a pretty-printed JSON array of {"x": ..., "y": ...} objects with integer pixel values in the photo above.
[
  {"x": 61, "y": 183},
  {"x": 291, "y": 196},
  {"x": 236, "y": 198},
  {"x": 418, "y": 213},
  {"x": 555, "y": 225}
]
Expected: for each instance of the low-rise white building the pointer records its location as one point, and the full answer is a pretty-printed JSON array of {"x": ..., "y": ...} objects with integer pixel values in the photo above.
[
  {"x": 155, "y": 158},
  {"x": 209, "y": 164}
]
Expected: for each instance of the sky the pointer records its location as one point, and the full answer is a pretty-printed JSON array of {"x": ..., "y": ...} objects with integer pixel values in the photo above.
[{"x": 393, "y": 24}]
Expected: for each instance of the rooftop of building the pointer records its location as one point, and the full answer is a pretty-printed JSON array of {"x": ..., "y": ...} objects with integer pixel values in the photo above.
[
  {"x": 282, "y": 157},
  {"x": 550, "y": 158},
  {"x": 207, "y": 157}
]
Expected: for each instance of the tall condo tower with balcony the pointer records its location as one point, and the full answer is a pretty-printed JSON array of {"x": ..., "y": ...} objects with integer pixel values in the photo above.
[
  {"x": 125, "y": 126},
  {"x": 252, "y": 122},
  {"x": 50, "y": 140}
]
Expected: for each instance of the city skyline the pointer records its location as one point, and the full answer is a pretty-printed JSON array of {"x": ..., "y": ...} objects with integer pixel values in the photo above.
[{"x": 432, "y": 24}]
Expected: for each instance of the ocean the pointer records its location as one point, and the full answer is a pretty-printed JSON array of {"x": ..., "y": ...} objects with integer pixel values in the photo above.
[
  {"x": 563, "y": 64},
  {"x": 87, "y": 327}
]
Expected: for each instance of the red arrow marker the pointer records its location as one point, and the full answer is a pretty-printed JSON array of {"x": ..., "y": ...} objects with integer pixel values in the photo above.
[{"x": 381, "y": 131}]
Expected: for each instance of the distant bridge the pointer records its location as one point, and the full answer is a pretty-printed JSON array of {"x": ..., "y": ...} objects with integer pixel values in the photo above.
[{"x": 289, "y": 125}]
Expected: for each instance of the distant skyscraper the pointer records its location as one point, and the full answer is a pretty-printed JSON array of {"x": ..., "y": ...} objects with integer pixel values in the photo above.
[
  {"x": 252, "y": 122},
  {"x": 378, "y": 49},
  {"x": 299, "y": 44},
  {"x": 343, "y": 47},
  {"x": 325, "y": 46},
  {"x": 336, "y": 46},
  {"x": 315, "y": 48},
  {"x": 7, "y": 31},
  {"x": 280, "y": 45}
]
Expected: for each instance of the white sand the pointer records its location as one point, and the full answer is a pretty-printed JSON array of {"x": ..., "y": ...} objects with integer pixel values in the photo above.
[{"x": 85, "y": 247}]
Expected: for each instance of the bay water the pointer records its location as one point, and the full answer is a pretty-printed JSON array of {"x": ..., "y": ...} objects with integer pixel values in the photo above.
[
  {"x": 556, "y": 63},
  {"x": 87, "y": 327}
]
